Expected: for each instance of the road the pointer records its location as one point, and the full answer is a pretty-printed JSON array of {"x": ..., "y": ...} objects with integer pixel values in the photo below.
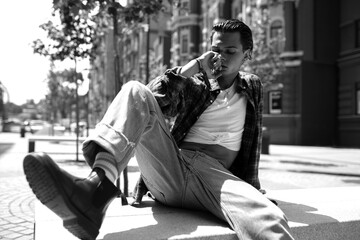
[{"x": 287, "y": 167}]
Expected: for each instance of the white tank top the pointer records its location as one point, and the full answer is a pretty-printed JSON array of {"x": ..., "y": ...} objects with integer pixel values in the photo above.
[{"x": 222, "y": 123}]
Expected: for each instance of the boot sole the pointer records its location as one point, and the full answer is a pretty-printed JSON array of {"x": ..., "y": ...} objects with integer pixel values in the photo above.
[{"x": 41, "y": 176}]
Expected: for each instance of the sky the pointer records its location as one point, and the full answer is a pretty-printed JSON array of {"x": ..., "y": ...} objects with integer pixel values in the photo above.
[{"x": 22, "y": 72}]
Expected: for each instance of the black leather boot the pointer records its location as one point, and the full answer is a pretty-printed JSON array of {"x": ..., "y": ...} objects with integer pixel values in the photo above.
[{"x": 80, "y": 202}]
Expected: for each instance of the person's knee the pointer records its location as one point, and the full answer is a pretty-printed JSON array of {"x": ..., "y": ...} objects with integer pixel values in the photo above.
[
  {"x": 135, "y": 88},
  {"x": 133, "y": 85},
  {"x": 279, "y": 216},
  {"x": 275, "y": 226}
]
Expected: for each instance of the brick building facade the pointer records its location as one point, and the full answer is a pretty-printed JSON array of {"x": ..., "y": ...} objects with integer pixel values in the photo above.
[{"x": 315, "y": 102}]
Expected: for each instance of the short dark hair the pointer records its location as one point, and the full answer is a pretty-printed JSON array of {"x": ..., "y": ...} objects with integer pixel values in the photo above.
[{"x": 235, "y": 25}]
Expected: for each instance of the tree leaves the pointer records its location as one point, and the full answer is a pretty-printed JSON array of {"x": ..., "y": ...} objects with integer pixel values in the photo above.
[
  {"x": 139, "y": 9},
  {"x": 266, "y": 62},
  {"x": 77, "y": 33},
  {"x": 66, "y": 41},
  {"x": 61, "y": 95},
  {"x": 82, "y": 22}
]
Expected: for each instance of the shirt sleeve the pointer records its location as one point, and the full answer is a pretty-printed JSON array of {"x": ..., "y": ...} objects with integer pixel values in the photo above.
[
  {"x": 168, "y": 91},
  {"x": 253, "y": 172}
]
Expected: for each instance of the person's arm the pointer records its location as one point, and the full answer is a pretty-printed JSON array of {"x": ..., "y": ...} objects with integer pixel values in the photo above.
[
  {"x": 191, "y": 68},
  {"x": 200, "y": 64}
]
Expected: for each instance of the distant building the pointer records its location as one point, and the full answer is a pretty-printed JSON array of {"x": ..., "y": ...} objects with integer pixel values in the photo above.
[
  {"x": 316, "y": 101},
  {"x": 186, "y": 28},
  {"x": 320, "y": 95},
  {"x": 3, "y": 114},
  {"x": 136, "y": 53},
  {"x": 132, "y": 51},
  {"x": 102, "y": 78},
  {"x": 347, "y": 67}
]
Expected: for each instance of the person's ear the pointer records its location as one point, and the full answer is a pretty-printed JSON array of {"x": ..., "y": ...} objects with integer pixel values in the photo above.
[{"x": 247, "y": 55}]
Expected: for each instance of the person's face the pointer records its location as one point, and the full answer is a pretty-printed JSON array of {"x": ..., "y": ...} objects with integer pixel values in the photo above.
[{"x": 228, "y": 44}]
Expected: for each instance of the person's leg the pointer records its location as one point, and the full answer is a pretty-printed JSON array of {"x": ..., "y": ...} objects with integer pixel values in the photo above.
[
  {"x": 80, "y": 202},
  {"x": 248, "y": 212},
  {"x": 134, "y": 123},
  {"x": 133, "y": 120}
]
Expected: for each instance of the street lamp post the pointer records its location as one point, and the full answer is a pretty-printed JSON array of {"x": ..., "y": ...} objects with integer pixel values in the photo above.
[
  {"x": 148, "y": 50},
  {"x": 118, "y": 83},
  {"x": 3, "y": 91},
  {"x": 77, "y": 111},
  {"x": 84, "y": 91}
]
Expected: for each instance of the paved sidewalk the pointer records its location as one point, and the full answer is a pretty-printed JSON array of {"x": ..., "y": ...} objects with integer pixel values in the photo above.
[
  {"x": 16, "y": 198},
  {"x": 17, "y": 201},
  {"x": 292, "y": 167},
  {"x": 312, "y": 214},
  {"x": 286, "y": 167}
]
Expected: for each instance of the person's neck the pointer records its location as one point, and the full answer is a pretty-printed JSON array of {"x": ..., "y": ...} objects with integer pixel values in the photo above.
[{"x": 226, "y": 81}]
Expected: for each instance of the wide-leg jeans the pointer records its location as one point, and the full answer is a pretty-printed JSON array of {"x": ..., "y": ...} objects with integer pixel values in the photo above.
[{"x": 177, "y": 177}]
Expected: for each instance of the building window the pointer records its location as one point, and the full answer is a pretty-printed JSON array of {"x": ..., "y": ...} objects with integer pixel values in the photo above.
[
  {"x": 221, "y": 10},
  {"x": 276, "y": 35},
  {"x": 184, "y": 8},
  {"x": 358, "y": 33},
  {"x": 184, "y": 44},
  {"x": 275, "y": 102},
  {"x": 358, "y": 100},
  {"x": 276, "y": 28},
  {"x": 185, "y": 4}
]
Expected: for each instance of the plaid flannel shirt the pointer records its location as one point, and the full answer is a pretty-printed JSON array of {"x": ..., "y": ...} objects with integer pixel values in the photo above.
[{"x": 185, "y": 99}]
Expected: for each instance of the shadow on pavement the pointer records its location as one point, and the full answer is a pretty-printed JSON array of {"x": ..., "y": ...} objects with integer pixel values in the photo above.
[
  {"x": 325, "y": 173},
  {"x": 167, "y": 227},
  {"x": 5, "y": 147},
  {"x": 357, "y": 181},
  {"x": 310, "y": 163},
  {"x": 304, "y": 214},
  {"x": 72, "y": 162}
]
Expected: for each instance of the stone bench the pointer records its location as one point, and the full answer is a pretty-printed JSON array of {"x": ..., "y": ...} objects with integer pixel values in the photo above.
[{"x": 320, "y": 214}]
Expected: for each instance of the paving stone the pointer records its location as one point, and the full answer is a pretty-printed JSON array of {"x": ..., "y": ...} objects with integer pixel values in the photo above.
[
  {"x": 12, "y": 235},
  {"x": 25, "y": 237},
  {"x": 18, "y": 229},
  {"x": 283, "y": 162},
  {"x": 27, "y": 231}
]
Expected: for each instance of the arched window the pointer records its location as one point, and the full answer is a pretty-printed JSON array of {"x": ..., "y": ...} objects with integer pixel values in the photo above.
[
  {"x": 276, "y": 28},
  {"x": 184, "y": 43},
  {"x": 277, "y": 35}
]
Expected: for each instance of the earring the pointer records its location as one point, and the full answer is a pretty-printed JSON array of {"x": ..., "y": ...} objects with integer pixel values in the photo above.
[{"x": 244, "y": 59}]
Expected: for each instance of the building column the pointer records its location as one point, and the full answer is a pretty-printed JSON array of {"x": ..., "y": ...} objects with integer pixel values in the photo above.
[{"x": 290, "y": 25}]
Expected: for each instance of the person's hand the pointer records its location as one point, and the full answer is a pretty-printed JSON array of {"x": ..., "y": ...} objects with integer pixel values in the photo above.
[
  {"x": 139, "y": 191},
  {"x": 211, "y": 63},
  {"x": 263, "y": 191}
]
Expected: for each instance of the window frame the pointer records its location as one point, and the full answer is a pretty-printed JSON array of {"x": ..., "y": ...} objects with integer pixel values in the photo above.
[
  {"x": 357, "y": 99},
  {"x": 275, "y": 96},
  {"x": 185, "y": 44}
]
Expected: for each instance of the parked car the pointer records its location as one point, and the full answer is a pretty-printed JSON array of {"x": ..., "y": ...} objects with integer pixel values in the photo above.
[
  {"x": 33, "y": 126},
  {"x": 82, "y": 127},
  {"x": 11, "y": 125},
  {"x": 58, "y": 129}
]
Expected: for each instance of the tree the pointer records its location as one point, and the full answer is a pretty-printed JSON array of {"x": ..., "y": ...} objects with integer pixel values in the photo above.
[
  {"x": 71, "y": 39},
  {"x": 82, "y": 23},
  {"x": 266, "y": 61},
  {"x": 61, "y": 96},
  {"x": 3, "y": 92},
  {"x": 156, "y": 68},
  {"x": 74, "y": 37}
]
